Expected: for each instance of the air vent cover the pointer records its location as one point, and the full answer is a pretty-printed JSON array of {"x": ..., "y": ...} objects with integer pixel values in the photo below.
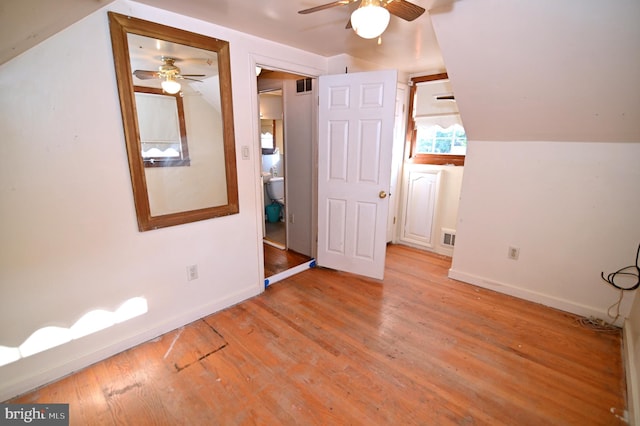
[
  {"x": 303, "y": 85},
  {"x": 448, "y": 237}
]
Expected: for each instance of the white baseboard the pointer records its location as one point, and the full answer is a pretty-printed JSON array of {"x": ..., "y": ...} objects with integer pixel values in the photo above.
[
  {"x": 631, "y": 373},
  {"x": 532, "y": 296},
  {"x": 437, "y": 249},
  {"x": 41, "y": 374}
]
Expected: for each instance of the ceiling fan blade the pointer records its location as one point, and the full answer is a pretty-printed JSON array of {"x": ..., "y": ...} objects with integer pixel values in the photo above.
[
  {"x": 192, "y": 75},
  {"x": 146, "y": 75},
  {"x": 404, "y": 9},
  {"x": 325, "y": 6},
  {"x": 191, "y": 79}
]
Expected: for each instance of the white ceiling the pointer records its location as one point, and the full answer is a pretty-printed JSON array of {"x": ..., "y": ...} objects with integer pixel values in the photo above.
[
  {"x": 521, "y": 70},
  {"x": 410, "y": 47}
]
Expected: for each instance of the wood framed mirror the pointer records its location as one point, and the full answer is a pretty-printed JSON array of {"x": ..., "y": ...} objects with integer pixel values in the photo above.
[{"x": 175, "y": 181}]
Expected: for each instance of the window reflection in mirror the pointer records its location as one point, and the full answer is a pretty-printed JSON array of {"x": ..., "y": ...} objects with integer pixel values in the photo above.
[
  {"x": 271, "y": 130},
  {"x": 182, "y": 87},
  {"x": 268, "y": 134},
  {"x": 163, "y": 133}
]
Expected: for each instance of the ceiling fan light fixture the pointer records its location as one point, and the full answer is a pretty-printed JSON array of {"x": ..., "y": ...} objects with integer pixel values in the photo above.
[
  {"x": 370, "y": 19},
  {"x": 170, "y": 85}
]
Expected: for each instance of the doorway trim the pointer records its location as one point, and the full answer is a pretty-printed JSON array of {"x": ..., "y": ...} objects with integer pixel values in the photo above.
[{"x": 293, "y": 68}]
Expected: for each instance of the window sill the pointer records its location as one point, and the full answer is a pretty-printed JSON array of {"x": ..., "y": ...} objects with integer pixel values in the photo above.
[
  {"x": 166, "y": 163},
  {"x": 438, "y": 159}
]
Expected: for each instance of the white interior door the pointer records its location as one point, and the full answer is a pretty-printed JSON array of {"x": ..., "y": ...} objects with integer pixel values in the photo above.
[{"x": 355, "y": 144}]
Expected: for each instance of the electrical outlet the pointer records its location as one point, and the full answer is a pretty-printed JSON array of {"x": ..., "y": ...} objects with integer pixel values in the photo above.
[
  {"x": 513, "y": 253},
  {"x": 192, "y": 272}
]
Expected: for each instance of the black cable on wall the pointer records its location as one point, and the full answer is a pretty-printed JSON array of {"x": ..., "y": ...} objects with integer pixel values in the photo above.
[{"x": 632, "y": 270}]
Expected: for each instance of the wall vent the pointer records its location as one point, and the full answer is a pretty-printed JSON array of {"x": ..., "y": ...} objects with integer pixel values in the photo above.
[
  {"x": 303, "y": 85},
  {"x": 448, "y": 237}
]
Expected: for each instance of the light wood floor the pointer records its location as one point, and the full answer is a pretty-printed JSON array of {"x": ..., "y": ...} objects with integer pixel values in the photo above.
[{"x": 328, "y": 348}]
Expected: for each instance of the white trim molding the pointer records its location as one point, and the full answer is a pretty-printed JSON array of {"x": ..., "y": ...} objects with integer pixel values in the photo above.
[
  {"x": 631, "y": 372},
  {"x": 532, "y": 296}
]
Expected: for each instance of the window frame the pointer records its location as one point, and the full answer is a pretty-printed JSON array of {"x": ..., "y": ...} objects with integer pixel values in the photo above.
[{"x": 421, "y": 158}]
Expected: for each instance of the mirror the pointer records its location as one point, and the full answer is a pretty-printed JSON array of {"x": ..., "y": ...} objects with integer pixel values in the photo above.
[
  {"x": 271, "y": 130},
  {"x": 175, "y": 97},
  {"x": 268, "y": 136}
]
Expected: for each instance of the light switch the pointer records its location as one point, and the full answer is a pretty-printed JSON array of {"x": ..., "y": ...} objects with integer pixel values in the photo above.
[{"x": 245, "y": 152}]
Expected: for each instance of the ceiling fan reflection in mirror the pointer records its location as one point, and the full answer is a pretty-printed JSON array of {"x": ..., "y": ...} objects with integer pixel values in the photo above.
[
  {"x": 371, "y": 17},
  {"x": 169, "y": 73}
]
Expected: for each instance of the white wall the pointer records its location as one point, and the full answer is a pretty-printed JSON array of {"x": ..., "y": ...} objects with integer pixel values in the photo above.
[
  {"x": 553, "y": 154},
  {"x": 571, "y": 208},
  {"x": 68, "y": 225},
  {"x": 343, "y": 64}
]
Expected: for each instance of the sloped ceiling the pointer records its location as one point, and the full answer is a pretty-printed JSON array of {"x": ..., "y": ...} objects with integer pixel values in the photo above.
[
  {"x": 544, "y": 70},
  {"x": 410, "y": 47},
  {"x": 521, "y": 69},
  {"x": 25, "y": 23}
]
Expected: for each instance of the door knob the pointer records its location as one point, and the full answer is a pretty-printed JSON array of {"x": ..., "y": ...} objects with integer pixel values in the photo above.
[{"x": 382, "y": 194}]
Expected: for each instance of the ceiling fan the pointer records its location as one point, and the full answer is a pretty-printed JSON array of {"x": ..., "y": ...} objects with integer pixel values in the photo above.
[
  {"x": 371, "y": 17},
  {"x": 169, "y": 73}
]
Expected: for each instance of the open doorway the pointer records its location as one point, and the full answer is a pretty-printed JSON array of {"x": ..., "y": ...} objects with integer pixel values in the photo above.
[
  {"x": 273, "y": 167},
  {"x": 286, "y": 138}
]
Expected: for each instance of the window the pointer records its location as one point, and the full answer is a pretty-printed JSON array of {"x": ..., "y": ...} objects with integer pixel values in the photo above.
[
  {"x": 435, "y": 129},
  {"x": 432, "y": 138},
  {"x": 163, "y": 136}
]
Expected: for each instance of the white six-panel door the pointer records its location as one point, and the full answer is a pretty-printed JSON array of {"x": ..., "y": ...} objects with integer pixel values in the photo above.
[{"x": 356, "y": 118}]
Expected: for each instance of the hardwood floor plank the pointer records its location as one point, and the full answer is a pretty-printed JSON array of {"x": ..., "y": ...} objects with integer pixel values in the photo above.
[
  {"x": 280, "y": 354},
  {"x": 326, "y": 347},
  {"x": 88, "y": 403},
  {"x": 390, "y": 351}
]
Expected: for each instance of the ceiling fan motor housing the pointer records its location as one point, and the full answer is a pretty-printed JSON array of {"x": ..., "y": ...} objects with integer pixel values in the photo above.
[{"x": 168, "y": 68}]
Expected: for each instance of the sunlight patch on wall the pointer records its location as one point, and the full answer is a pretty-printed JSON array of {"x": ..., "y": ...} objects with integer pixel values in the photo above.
[
  {"x": 92, "y": 322},
  {"x": 130, "y": 309},
  {"x": 8, "y": 355},
  {"x": 43, "y": 339}
]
